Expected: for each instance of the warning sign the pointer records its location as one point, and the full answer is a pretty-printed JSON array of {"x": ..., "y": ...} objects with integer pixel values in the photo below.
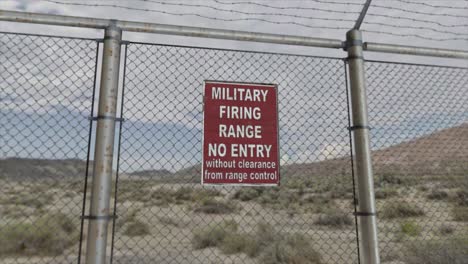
[{"x": 240, "y": 134}]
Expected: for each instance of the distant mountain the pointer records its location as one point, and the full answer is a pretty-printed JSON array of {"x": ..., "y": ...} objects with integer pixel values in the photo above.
[
  {"x": 442, "y": 152},
  {"x": 37, "y": 169}
]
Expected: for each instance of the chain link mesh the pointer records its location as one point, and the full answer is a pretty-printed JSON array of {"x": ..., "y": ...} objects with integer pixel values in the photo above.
[
  {"x": 46, "y": 91},
  {"x": 419, "y": 139},
  {"x": 419, "y": 136},
  {"x": 166, "y": 216}
]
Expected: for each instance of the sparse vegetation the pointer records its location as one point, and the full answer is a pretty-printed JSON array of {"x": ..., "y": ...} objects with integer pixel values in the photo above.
[
  {"x": 164, "y": 197},
  {"x": 270, "y": 246},
  {"x": 48, "y": 235},
  {"x": 453, "y": 250},
  {"x": 401, "y": 209}
]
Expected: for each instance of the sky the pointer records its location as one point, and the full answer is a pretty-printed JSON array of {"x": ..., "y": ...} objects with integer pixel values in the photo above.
[{"x": 47, "y": 85}]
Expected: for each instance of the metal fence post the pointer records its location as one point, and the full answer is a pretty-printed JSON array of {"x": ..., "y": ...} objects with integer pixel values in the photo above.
[
  {"x": 99, "y": 215},
  {"x": 366, "y": 201}
]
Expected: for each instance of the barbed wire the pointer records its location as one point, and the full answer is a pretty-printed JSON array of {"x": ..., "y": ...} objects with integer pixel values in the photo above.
[
  {"x": 418, "y": 20},
  {"x": 198, "y": 15},
  {"x": 413, "y": 27},
  {"x": 457, "y": 35},
  {"x": 289, "y": 7},
  {"x": 243, "y": 12},
  {"x": 417, "y": 12},
  {"x": 383, "y": 32},
  {"x": 433, "y": 6}
]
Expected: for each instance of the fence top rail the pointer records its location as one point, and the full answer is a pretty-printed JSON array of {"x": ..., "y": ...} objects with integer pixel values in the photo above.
[
  {"x": 133, "y": 26},
  {"x": 233, "y": 50},
  {"x": 73, "y": 21}
]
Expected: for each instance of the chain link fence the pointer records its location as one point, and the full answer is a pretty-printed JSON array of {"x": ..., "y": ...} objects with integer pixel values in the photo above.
[
  {"x": 46, "y": 93},
  {"x": 419, "y": 116},
  {"x": 167, "y": 217}
]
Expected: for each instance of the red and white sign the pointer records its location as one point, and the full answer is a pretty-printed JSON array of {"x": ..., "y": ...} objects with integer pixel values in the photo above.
[{"x": 240, "y": 134}]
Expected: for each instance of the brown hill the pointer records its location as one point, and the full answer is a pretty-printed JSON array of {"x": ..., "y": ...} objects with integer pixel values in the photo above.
[{"x": 441, "y": 152}]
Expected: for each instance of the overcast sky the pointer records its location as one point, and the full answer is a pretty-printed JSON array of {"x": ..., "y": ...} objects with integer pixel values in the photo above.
[
  {"x": 163, "y": 127},
  {"x": 441, "y": 23}
]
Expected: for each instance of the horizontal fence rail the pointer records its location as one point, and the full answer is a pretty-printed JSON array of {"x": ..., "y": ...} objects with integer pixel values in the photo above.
[{"x": 132, "y": 26}]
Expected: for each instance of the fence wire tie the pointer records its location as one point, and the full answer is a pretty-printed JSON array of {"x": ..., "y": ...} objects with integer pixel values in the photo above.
[
  {"x": 352, "y": 128},
  {"x": 95, "y": 118},
  {"x": 350, "y": 43},
  {"x": 365, "y": 214},
  {"x": 98, "y": 217}
]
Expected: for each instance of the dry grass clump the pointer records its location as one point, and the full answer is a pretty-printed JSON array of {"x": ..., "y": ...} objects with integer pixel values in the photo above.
[
  {"x": 216, "y": 207},
  {"x": 410, "y": 228},
  {"x": 213, "y": 235},
  {"x": 136, "y": 228},
  {"x": 334, "y": 218},
  {"x": 437, "y": 195},
  {"x": 48, "y": 235},
  {"x": 401, "y": 209},
  {"x": 460, "y": 213},
  {"x": 385, "y": 193}
]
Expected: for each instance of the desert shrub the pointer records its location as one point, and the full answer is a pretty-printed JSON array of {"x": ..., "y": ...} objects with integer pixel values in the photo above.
[
  {"x": 215, "y": 207},
  {"x": 213, "y": 235},
  {"x": 48, "y": 235},
  {"x": 446, "y": 230},
  {"x": 385, "y": 193},
  {"x": 136, "y": 228},
  {"x": 165, "y": 220},
  {"x": 334, "y": 218},
  {"x": 460, "y": 213},
  {"x": 248, "y": 193},
  {"x": 290, "y": 249},
  {"x": 270, "y": 246},
  {"x": 462, "y": 198},
  {"x": 437, "y": 195},
  {"x": 391, "y": 178},
  {"x": 234, "y": 243},
  {"x": 128, "y": 217},
  {"x": 201, "y": 195},
  {"x": 399, "y": 209},
  {"x": 410, "y": 228},
  {"x": 453, "y": 251}
]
